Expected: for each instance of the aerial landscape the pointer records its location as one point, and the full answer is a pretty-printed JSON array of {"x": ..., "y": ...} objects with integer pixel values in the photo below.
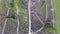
[{"x": 29, "y": 17}]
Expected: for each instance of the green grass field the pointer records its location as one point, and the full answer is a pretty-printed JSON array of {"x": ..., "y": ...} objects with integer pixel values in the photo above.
[{"x": 56, "y": 4}]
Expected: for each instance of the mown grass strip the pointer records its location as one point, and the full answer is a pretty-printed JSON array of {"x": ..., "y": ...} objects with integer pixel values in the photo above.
[{"x": 56, "y": 4}]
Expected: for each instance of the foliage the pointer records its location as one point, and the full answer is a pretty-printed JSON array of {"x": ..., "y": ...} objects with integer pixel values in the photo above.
[
  {"x": 11, "y": 1},
  {"x": 22, "y": 15},
  {"x": 23, "y": 24},
  {"x": 43, "y": 4},
  {"x": 12, "y": 16},
  {"x": 19, "y": 4},
  {"x": 10, "y": 5},
  {"x": 48, "y": 27}
]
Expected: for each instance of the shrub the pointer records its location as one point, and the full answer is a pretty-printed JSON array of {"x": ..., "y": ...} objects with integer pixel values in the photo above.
[
  {"x": 12, "y": 16},
  {"x": 48, "y": 27},
  {"x": 19, "y": 4},
  {"x": 10, "y": 5}
]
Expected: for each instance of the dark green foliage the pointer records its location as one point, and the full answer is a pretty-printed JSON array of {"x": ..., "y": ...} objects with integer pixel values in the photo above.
[
  {"x": 10, "y": 5},
  {"x": 10, "y": 1},
  {"x": 48, "y": 27},
  {"x": 12, "y": 16}
]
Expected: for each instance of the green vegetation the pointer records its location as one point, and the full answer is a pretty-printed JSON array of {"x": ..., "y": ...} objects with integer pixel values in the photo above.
[
  {"x": 23, "y": 24},
  {"x": 43, "y": 4},
  {"x": 56, "y": 4},
  {"x": 10, "y": 5},
  {"x": 22, "y": 15},
  {"x": 12, "y": 17},
  {"x": 23, "y": 27},
  {"x": 48, "y": 27},
  {"x": 11, "y": 1},
  {"x": 19, "y": 4}
]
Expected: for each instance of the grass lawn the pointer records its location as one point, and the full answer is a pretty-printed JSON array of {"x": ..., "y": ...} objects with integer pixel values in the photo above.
[{"x": 57, "y": 15}]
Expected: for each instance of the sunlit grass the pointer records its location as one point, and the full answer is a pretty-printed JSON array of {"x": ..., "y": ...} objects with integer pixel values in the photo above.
[{"x": 57, "y": 15}]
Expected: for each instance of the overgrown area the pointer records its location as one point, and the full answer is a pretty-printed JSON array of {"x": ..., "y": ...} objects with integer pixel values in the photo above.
[
  {"x": 48, "y": 27},
  {"x": 17, "y": 20},
  {"x": 18, "y": 4},
  {"x": 10, "y": 6}
]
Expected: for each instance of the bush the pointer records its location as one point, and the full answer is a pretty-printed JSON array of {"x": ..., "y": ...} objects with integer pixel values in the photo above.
[
  {"x": 48, "y": 27},
  {"x": 23, "y": 27},
  {"x": 19, "y": 4},
  {"x": 10, "y": 5},
  {"x": 12, "y": 16}
]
